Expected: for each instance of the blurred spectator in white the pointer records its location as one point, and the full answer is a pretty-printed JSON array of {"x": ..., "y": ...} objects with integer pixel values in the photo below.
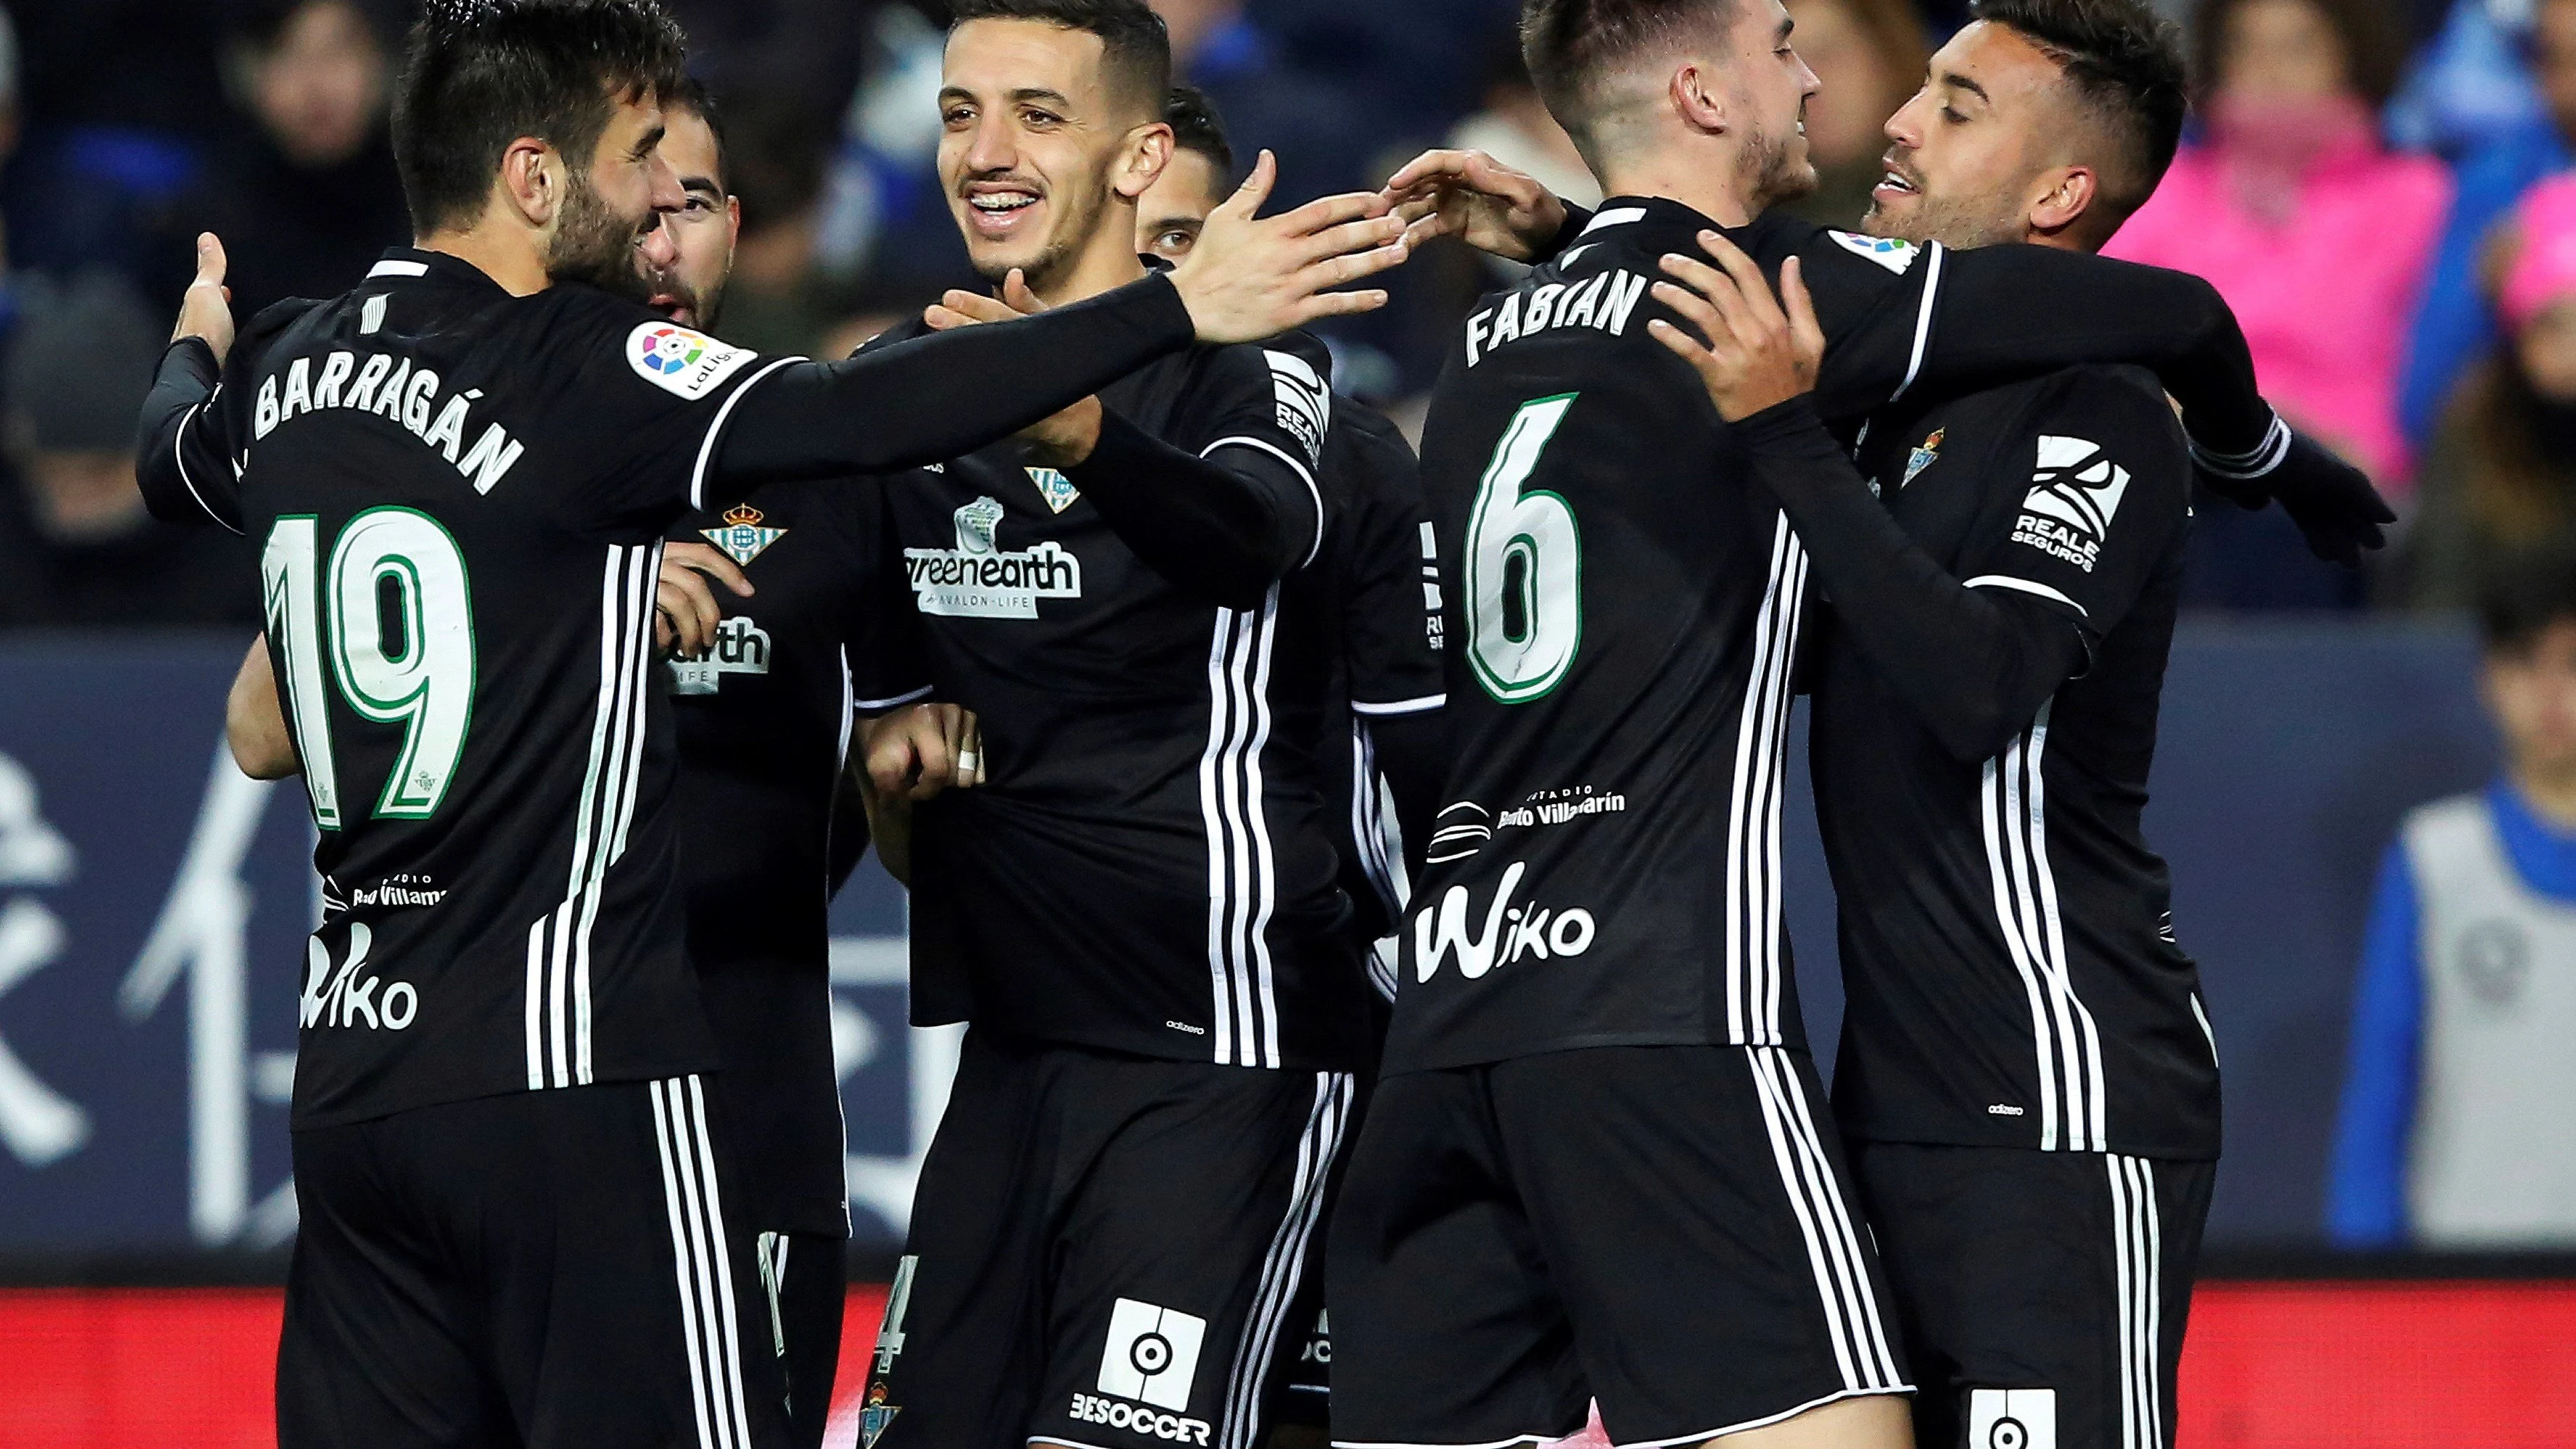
[
  {"x": 2315, "y": 233},
  {"x": 2454, "y": 1130},
  {"x": 2453, "y": 328},
  {"x": 308, "y": 197},
  {"x": 1514, "y": 127},
  {"x": 1870, "y": 55},
  {"x": 76, "y": 547},
  {"x": 2501, "y": 475}
]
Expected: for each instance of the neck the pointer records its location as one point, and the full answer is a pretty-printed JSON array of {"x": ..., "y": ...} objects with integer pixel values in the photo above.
[
  {"x": 2550, "y": 791},
  {"x": 1686, "y": 175},
  {"x": 1106, "y": 262},
  {"x": 508, "y": 256}
]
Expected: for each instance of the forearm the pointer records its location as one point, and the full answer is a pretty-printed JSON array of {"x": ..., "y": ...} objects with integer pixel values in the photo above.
[
  {"x": 1411, "y": 757},
  {"x": 1973, "y": 665},
  {"x": 255, "y": 722},
  {"x": 184, "y": 382},
  {"x": 1226, "y": 526},
  {"x": 941, "y": 396}
]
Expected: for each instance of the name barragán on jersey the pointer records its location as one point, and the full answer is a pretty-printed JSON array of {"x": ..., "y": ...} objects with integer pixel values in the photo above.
[{"x": 390, "y": 387}]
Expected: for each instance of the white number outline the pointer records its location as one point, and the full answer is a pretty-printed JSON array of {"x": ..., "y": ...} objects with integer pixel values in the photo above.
[{"x": 1526, "y": 514}]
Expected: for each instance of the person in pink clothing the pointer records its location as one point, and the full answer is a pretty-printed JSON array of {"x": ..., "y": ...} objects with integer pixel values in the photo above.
[{"x": 2317, "y": 235}]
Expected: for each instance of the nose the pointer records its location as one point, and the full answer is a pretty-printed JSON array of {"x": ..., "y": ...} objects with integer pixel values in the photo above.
[
  {"x": 990, "y": 148},
  {"x": 667, "y": 195},
  {"x": 1905, "y": 127},
  {"x": 659, "y": 249}
]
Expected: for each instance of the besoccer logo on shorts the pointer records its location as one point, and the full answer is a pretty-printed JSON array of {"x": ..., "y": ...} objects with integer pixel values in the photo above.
[
  {"x": 2012, "y": 1418},
  {"x": 1152, "y": 1357}
]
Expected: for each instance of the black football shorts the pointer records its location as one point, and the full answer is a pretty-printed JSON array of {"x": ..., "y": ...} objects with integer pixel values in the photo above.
[
  {"x": 1663, "y": 1229},
  {"x": 2042, "y": 1293},
  {"x": 551, "y": 1269},
  {"x": 1106, "y": 1253}
]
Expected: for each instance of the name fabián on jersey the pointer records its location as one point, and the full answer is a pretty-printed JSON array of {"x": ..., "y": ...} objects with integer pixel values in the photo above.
[
  {"x": 392, "y": 388},
  {"x": 1604, "y": 302}
]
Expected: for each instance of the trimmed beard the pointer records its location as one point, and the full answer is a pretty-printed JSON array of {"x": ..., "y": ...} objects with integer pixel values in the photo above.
[
  {"x": 1773, "y": 175},
  {"x": 593, "y": 244},
  {"x": 1062, "y": 249},
  {"x": 1955, "y": 223}
]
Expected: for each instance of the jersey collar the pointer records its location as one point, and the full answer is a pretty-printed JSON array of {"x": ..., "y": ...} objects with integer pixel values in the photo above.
[{"x": 408, "y": 264}]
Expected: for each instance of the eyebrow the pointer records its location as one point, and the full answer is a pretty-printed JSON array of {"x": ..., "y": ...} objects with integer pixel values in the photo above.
[
  {"x": 651, "y": 141},
  {"x": 707, "y": 184},
  {"x": 1953, "y": 78}
]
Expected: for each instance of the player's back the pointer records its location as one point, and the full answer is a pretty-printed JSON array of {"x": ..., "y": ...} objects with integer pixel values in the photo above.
[
  {"x": 460, "y": 495},
  {"x": 1622, "y": 613}
]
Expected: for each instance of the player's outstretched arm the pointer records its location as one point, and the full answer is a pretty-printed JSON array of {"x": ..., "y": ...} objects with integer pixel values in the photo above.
[
  {"x": 1249, "y": 277},
  {"x": 181, "y": 459},
  {"x": 255, "y": 723},
  {"x": 1974, "y": 664},
  {"x": 1481, "y": 201}
]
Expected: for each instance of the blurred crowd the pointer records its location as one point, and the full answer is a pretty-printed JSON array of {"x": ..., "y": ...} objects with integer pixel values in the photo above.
[{"x": 2385, "y": 190}]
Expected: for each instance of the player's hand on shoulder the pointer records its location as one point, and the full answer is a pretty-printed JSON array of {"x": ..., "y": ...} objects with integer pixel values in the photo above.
[
  {"x": 686, "y": 611},
  {"x": 1472, "y": 196},
  {"x": 2334, "y": 504},
  {"x": 917, "y": 751},
  {"x": 1251, "y": 277},
  {"x": 1061, "y": 441},
  {"x": 206, "y": 310},
  {"x": 1754, "y": 350}
]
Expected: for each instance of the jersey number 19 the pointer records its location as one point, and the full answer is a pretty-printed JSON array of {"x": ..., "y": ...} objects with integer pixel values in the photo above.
[
  {"x": 1524, "y": 566},
  {"x": 394, "y": 618}
]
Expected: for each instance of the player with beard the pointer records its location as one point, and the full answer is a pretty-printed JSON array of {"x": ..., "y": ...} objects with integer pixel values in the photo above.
[
  {"x": 1137, "y": 912},
  {"x": 2027, "y": 1078},
  {"x": 1594, "y": 1168},
  {"x": 514, "y": 1223}
]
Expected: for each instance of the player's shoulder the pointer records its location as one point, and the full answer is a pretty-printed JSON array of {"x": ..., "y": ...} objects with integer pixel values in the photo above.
[
  {"x": 2126, "y": 403},
  {"x": 576, "y": 330}
]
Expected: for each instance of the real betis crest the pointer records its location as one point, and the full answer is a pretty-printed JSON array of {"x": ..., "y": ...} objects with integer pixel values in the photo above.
[
  {"x": 742, "y": 538},
  {"x": 875, "y": 1416},
  {"x": 1925, "y": 454},
  {"x": 1055, "y": 488}
]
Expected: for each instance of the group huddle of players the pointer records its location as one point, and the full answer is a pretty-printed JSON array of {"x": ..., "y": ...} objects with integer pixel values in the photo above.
[{"x": 1361, "y": 883}]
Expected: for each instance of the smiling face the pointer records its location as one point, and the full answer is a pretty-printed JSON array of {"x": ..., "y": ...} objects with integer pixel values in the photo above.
[
  {"x": 1036, "y": 146},
  {"x": 612, "y": 209},
  {"x": 1974, "y": 148},
  {"x": 702, "y": 232},
  {"x": 1768, "y": 90}
]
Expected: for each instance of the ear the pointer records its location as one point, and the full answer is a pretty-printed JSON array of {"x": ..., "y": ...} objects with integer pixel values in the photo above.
[
  {"x": 1148, "y": 151},
  {"x": 733, "y": 222},
  {"x": 532, "y": 180},
  {"x": 2060, "y": 197},
  {"x": 1700, "y": 96}
]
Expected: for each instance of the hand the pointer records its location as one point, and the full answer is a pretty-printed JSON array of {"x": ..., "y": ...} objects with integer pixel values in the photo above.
[
  {"x": 2332, "y": 502},
  {"x": 1248, "y": 278},
  {"x": 1756, "y": 355},
  {"x": 1061, "y": 441},
  {"x": 970, "y": 751},
  {"x": 685, "y": 612},
  {"x": 1471, "y": 195},
  {"x": 206, "y": 310},
  {"x": 912, "y": 753}
]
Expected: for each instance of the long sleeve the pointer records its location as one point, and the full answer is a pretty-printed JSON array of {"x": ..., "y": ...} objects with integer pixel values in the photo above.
[
  {"x": 940, "y": 396},
  {"x": 181, "y": 461},
  {"x": 2366, "y": 1182},
  {"x": 1225, "y": 526},
  {"x": 1411, "y": 752}
]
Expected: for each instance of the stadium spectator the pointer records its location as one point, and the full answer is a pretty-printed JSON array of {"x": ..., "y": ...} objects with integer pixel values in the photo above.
[
  {"x": 1870, "y": 56},
  {"x": 76, "y": 547},
  {"x": 2315, "y": 233},
  {"x": 306, "y": 199},
  {"x": 2501, "y": 475},
  {"x": 2453, "y": 327},
  {"x": 2453, "y": 1130}
]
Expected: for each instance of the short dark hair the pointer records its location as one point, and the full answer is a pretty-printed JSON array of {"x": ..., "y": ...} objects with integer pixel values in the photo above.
[
  {"x": 2125, "y": 64},
  {"x": 479, "y": 74},
  {"x": 2524, "y": 589},
  {"x": 2374, "y": 44},
  {"x": 1196, "y": 126},
  {"x": 1569, "y": 44},
  {"x": 1135, "y": 45},
  {"x": 693, "y": 96}
]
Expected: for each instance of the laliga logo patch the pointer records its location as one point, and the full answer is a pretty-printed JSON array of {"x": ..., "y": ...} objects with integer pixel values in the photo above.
[
  {"x": 1887, "y": 251},
  {"x": 1054, "y": 487},
  {"x": 682, "y": 362},
  {"x": 743, "y": 538}
]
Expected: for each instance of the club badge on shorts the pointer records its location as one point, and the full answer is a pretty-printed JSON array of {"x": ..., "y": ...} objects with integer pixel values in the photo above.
[
  {"x": 743, "y": 538},
  {"x": 875, "y": 1415},
  {"x": 1055, "y": 488},
  {"x": 1925, "y": 454}
]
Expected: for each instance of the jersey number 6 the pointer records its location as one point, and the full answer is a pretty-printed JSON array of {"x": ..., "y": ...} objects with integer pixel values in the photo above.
[
  {"x": 399, "y": 623},
  {"x": 1524, "y": 566}
]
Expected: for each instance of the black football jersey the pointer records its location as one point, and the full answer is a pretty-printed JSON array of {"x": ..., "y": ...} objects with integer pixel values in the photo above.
[
  {"x": 764, "y": 726},
  {"x": 1624, "y": 603},
  {"x": 2010, "y": 971},
  {"x": 1150, "y": 866},
  {"x": 1384, "y": 570},
  {"x": 460, "y": 496}
]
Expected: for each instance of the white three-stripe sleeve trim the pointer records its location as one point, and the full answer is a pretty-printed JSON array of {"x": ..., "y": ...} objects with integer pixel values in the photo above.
[
  {"x": 1241, "y": 870},
  {"x": 1416, "y": 705},
  {"x": 715, "y": 430},
  {"x": 2015, "y": 944},
  {"x": 2096, "y": 1118},
  {"x": 2007, "y": 581},
  {"x": 1283, "y": 1267},
  {"x": 1295, "y": 465}
]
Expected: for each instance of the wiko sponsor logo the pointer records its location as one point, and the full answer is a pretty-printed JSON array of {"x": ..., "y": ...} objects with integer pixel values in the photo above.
[
  {"x": 348, "y": 998},
  {"x": 1510, "y": 931},
  {"x": 979, "y": 579},
  {"x": 2075, "y": 491}
]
